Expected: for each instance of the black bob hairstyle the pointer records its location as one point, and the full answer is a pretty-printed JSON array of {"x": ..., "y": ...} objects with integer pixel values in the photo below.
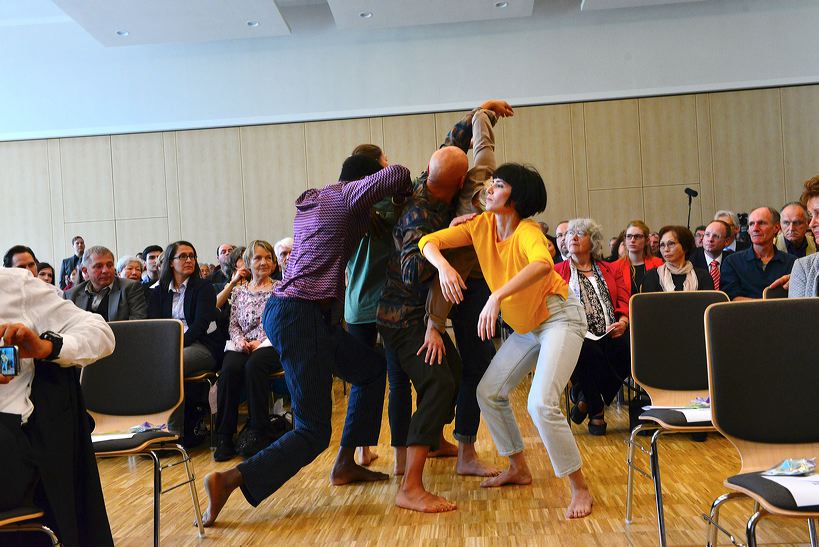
[
  {"x": 358, "y": 166},
  {"x": 528, "y": 195}
]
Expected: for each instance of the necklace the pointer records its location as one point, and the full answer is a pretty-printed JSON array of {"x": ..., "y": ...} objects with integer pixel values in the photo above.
[
  {"x": 583, "y": 271},
  {"x": 257, "y": 286}
]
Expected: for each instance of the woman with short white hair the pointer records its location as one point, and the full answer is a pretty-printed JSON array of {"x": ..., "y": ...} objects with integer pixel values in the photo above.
[{"x": 130, "y": 267}]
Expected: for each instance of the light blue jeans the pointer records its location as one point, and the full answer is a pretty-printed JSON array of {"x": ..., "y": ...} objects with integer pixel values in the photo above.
[{"x": 552, "y": 349}]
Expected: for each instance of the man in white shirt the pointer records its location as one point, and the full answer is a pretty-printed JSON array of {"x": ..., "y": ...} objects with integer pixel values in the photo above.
[{"x": 57, "y": 333}]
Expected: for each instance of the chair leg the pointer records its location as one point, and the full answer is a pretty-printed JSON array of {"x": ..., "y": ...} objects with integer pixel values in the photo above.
[
  {"x": 712, "y": 524},
  {"x": 812, "y": 533},
  {"x": 750, "y": 528},
  {"x": 157, "y": 493},
  {"x": 658, "y": 488},
  {"x": 192, "y": 485},
  {"x": 630, "y": 465}
]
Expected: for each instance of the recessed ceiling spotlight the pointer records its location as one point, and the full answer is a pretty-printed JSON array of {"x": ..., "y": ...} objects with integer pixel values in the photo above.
[
  {"x": 253, "y": 24},
  {"x": 365, "y": 14},
  {"x": 122, "y": 33},
  {"x": 501, "y": 4}
]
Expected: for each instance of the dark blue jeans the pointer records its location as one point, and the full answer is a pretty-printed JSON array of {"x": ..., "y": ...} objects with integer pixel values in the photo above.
[
  {"x": 476, "y": 355},
  {"x": 312, "y": 349},
  {"x": 399, "y": 406}
]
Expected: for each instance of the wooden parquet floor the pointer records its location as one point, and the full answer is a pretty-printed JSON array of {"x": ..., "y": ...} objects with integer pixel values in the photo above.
[{"x": 308, "y": 511}]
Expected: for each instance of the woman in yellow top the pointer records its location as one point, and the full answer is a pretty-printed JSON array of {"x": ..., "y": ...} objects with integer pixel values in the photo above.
[{"x": 549, "y": 323}]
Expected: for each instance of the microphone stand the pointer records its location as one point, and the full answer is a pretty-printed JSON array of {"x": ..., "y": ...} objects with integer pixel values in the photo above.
[{"x": 690, "y": 199}]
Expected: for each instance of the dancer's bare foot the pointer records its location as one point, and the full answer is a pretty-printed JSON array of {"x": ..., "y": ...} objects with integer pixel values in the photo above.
[
  {"x": 511, "y": 475},
  {"x": 348, "y": 472},
  {"x": 470, "y": 464},
  {"x": 218, "y": 488},
  {"x": 365, "y": 456},
  {"x": 445, "y": 450},
  {"x": 418, "y": 499},
  {"x": 581, "y": 505},
  {"x": 400, "y": 465}
]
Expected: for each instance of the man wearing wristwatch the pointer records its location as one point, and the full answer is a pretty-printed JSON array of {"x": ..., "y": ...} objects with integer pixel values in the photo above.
[{"x": 46, "y": 457}]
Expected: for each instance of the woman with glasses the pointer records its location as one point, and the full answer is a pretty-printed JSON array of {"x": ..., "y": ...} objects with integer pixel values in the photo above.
[
  {"x": 181, "y": 294},
  {"x": 249, "y": 358},
  {"x": 547, "y": 320},
  {"x": 604, "y": 360},
  {"x": 638, "y": 259},
  {"x": 677, "y": 273}
]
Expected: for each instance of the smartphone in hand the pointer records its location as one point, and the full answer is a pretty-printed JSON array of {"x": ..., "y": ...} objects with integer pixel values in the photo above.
[{"x": 9, "y": 359}]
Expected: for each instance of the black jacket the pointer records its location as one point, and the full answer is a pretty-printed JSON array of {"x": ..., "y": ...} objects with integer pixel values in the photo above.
[{"x": 698, "y": 258}]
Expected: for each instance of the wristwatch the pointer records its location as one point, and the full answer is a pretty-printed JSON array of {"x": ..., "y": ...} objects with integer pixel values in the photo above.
[{"x": 56, "y": 344}]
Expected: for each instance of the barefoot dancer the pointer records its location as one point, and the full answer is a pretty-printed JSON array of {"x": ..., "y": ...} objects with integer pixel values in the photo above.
[
  {"x": 301, "y": 321},
  {"x": 549, "y": 324}
]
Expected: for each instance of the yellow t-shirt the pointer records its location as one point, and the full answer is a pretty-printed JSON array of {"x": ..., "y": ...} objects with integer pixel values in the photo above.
[{"x": 502, "y": 260}]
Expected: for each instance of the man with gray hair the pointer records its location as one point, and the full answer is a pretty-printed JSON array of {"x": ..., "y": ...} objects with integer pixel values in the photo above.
[
  {"x": 112, "y": 297},
  {"x": 283, "y": 248},
  {"x": 795, "y": 238},
  {"x": 732, "y": 220}
]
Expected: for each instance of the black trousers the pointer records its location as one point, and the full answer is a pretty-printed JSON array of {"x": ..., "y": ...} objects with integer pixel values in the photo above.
[
  {"x": 251, "y": 371},
  {"x": 601, "y": 368},
  {"x": 436, "y": 385},
  {"x": 16, "y": 464}
]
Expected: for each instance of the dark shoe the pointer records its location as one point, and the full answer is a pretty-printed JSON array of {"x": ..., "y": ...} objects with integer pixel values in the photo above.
[
  {"x": 574, "y": 393},
  {"x": 699, "y": 437},
  {"x": 224, "y": 449},
  {"x": 193, "y": 440},
  {"x": 253, "y": 442},
  {"x": 579, "y": 416},
  {"x": 598, "y": 429}
]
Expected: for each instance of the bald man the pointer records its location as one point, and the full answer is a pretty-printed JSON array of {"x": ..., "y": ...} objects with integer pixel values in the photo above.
[{"x": 402, "y": 325}]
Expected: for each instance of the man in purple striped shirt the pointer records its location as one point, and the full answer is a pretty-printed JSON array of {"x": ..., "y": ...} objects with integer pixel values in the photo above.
[{"x": 302, "y": 322}]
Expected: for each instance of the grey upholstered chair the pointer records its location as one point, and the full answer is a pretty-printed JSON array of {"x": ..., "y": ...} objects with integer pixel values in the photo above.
[
  {"x": 141, "y": 382},
  {"x": 764, "y": 383}
]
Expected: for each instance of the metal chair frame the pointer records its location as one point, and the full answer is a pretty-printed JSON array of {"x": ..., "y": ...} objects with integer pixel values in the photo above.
[{"x": 23, "y": 523}]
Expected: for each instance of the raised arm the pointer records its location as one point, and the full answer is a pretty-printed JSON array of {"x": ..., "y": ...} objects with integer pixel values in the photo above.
[{"x": 360, "y": 195}]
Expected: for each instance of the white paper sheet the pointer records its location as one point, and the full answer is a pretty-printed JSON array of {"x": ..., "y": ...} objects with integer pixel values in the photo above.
[
  {"x": 691, "y": 414},
  {"x": 591, "y": 336},
  {"x": 805, "y": 490},
  {"x": 111, "y": 437}
]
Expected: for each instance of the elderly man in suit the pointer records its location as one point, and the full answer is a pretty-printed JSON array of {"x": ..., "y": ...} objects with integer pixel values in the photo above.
[
  {"x": 709, "y": 257},
  {"x": 112, "y": 297}
]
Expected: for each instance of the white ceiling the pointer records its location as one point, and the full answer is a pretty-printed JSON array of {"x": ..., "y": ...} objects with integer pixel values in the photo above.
[{"x": 189, "y": 21}]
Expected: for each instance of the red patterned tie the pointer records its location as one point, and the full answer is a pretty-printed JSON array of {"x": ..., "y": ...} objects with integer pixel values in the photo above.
[{"x": 715, "y": 274}]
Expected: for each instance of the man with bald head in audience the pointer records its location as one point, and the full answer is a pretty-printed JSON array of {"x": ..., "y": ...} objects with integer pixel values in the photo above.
[
  {"x": 745, "y": 274},
  {"x": 710, "y": 256}
]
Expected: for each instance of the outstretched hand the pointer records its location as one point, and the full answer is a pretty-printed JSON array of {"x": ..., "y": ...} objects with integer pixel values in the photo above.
[
  {"x": 501, "y": 108},
  {"x": 783, "y": 282}
]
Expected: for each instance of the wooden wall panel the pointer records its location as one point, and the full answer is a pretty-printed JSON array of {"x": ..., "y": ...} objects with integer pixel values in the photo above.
[
  {"x": 580, "y": 167},
  {"x": 60, "y": 247},
  {"x": 706, "y": 164},
  {"x": 669, "y": 205},
  {"x": 329, "y": 144},
  {"x": 88, "y": 190},
  {"x": 668, "y": 140},
  {"x": 542, "y": 137},
  {"x": 612, "y": 144},
  {"x": 410, "y": 140},
  {"x": 746, "y": 132},
  {"x": 800, "y": 124},
  {"x": 210, "y": 188},
  {"x": 613, "y": 209},
  {"x": 27, "y": 209},
  {"x": 133, "y": 235},
  {"x": 101, "y": 232},
  {"x": 139, "y": 175},
  {"x": 275, "y": 174},
  {"x": 172, "y": 187}
]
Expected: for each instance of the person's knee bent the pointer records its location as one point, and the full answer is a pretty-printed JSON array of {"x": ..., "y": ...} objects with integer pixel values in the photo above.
[
  {"x": 316, "y": 437},
  {"x": 539, "y": 405}
]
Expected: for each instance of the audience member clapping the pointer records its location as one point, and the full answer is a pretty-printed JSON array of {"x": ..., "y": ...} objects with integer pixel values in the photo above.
[
  {"x": 677, "y": 274},
  {"x": 604, "y": 362},
  {"x": 249, "y": 358}
]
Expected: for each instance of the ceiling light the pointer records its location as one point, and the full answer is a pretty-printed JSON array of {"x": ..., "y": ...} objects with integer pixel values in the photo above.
[
  {"x": 365, "y": 14},
  {"x": 122, "y": 33},
  {"x": 501, "y": 4},
  {"x": 253, "y": 24}
]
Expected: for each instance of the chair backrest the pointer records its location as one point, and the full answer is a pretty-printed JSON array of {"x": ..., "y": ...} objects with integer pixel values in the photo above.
[
  {"x": 668, "y": 344},
  {"x": 777, "y": 292},
  {"x": 763, "y": 366},
  {"x": 142, "y": 378}
]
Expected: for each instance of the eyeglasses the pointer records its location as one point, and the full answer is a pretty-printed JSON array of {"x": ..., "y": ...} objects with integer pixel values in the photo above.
[
  {"x": 668, "y": 245},
  {"x": 635, "y": 236},
  {"x": 578, "y": 233},
  {"x": 184, "y": 257}
]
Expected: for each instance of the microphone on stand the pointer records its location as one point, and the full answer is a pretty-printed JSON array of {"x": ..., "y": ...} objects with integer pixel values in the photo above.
[{"x": 691, "y": 193}]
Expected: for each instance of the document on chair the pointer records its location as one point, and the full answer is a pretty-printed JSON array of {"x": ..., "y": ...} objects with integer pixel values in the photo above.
[
  {"x": 111, "y": 437},
  {"x": 693, "y": 415},
  {"x": 805, "y": 490},
  {"x": 594, "y": 337}
]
